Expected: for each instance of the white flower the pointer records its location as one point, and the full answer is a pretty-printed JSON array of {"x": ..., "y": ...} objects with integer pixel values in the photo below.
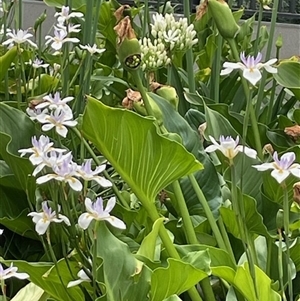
[
  {"x": 1, "y": 231},
  {"x": 83, "y": 277},
  {"x": 92, "y": 50},
  {"x": 60, "y": 37},
  {"x": 59, "y": 119},
  {"x": 55, "y": 102},
  {"x": 33, "y": 113},
  {"x": 19, "y": 37},
  {"x": 70, "y": 27},
  {"x": 251, "y": 67},
  {"x": 40, "y": 146},
  {"x": 86, "y": 173},
  {"x": 282, "y": 167},
  {"x": 43, "y": 219},
  {"x": 229, "y": 147},
  {"x": 95, "y": 211},
  {"x": 11, "y": 272},
  {"x": 65, "y": 16},
  {"x": 39, "y": 64},
  {"x": 65, "y": 172}
]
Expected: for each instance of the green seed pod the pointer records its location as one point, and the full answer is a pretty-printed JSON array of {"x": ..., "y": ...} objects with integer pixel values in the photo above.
[
  {"x": 223, "y": 18},
  {"x": 128, "y": 46},
  {"x": 6, "y": 60},
  {"x": 39, "y": 21},
  {"x": 140, "y": 108},
  {"x": 279, "y": 42},
  {"x": 168, "y": 93}
]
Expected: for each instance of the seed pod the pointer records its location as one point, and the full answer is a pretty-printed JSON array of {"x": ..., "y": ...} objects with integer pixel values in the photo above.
[
  {"x": 223, "y": 18},
  {"x": 128, "y": 46},
  {"x": 167, "y": 92}
]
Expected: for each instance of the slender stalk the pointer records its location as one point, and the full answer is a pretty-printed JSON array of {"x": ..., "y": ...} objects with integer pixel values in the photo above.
[
  {"x": 208, "y": 212},
  {"x": 269, "y": 255},
  {"x": 215, "y": 82},
  {"x": 286, "y": 219},
  {"x": 280, "y": 262},
  {"x": 145, "y": 19},
  {"x": 3, "y": 289},
  {"x": 260, "y": 15},
  {"x": 271, "y": 103},
  {"x": 261, "y": 89},
  {"x": 254, "y": 124},
  {"x": 94, "y": 264}
]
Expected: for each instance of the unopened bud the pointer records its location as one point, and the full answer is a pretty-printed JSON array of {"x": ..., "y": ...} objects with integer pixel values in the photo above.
[
  {"x": 296, "y": 188},
  {"x": 223, "y": 18},
  {"x": 167, "y": 92},
  {"x": 128, "y": 47},
  {"x": 279, "y": 219},
  {"x": 279, "y": 41}
]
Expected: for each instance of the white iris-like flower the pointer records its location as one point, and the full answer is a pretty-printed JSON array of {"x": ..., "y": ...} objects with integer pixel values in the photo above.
[
  {"x": 86, "y": 173},
  {"x": 59, "y": 119},
  {"x": 83, "y": 277},
  {"x": 92, "y": 50},
  {"x": 251, "y": 67},
  {"x": 19, "y": 37},
  {"x": 65, "y": 172},
  {"x": 40, "y": 147},
  {"x": 39, "y": 64},
  {"x": 64, "y": 14},
  {"x": 230, "y": 147},
  {"x": 60, "y": 37},
  {"x": 69, "y": 28},
  {"x": 95, "y": 211},
  {"x": 11, "y": 272},
  {"x": 282, "y": 167},
  {"x": 43, "y": 219}
]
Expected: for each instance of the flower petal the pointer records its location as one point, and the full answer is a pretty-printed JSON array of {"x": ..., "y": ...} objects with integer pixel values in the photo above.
[
  {"x": 44, "y": 179},
  {"x": 251, "y": 153},
  {"x": 211, "y": 148},
  {"x": 102, "y": 181},
  {"x": 88, "y": 205},
  {"x": 62, "y": 131},
  {"x": 295, "y": 171},
  {"x": 110, "y": 204},
  {"x": 84, "y": 220},
  {"x": 75, "y": 184},
  {"x": 280, "y": 176},
  {"x": 42, "y": 226},
  {"x": 270, "y": 69},
  {"x": 253, "y": 76},
  {"x": 114, "y": 221},
  {"x": 264, "y": 166},
  {"x": 74, "y": 283}
]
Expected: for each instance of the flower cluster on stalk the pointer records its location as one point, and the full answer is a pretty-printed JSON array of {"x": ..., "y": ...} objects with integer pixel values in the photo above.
[{"x": 169, "y": 36}]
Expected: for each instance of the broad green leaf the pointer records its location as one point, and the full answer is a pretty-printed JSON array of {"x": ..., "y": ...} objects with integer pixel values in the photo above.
[
  {"x": 150, "y": 245},
  {"x": 45, "y": 276},
  {"x": 176, "y": 278},
  {"x": 146, "y": 160},
  {"x": 295, "y": 253},
  {"x": 6, "y": 60},
  {"x": 30, "y": 292},
  {"x": 124, "y": 276},
  {"x": 253, "y": 219},
  {"x": 16, "y": 130},
  {"x": 173, "y": 298},
  {"x": 207, "y": 178},
  {"x": 288, "y": 76}
]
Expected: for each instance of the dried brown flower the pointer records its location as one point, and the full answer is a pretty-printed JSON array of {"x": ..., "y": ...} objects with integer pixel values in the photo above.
[{"x": 293, "y": 131}]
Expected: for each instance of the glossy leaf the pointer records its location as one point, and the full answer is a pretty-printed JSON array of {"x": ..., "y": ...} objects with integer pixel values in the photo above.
[
  {"x": 30, "y": 292},
  {"x": 146, "y": 160}
]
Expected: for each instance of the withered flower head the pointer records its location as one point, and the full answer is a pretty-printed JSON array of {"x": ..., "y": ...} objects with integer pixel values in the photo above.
[
  {"x": 268, "y": 149},
  {"x": 34, "y": 102},
  {"x": 119, "y": 13},
  {"x": 293, "y": 131},
  {"x": 201, "y": 9},
  {"x": 128, "y": 47},
  {"x": 296, "y": 188},
  {"x": 132, "y": 96},
  {"x": 169, "y": 93}
]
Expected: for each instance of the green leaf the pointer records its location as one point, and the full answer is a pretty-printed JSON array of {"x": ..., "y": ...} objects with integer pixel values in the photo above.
[
  {"x": 150, "y": 245},
  {"x": 288, "y": 76},
  {"x": 177, "y": 278},
  {"x": 173, "y": 298},
  {"x": 45, "y": 276},
  {"x": 146, "y": 160},
  {"x": 295, "y": 253},
  {"x": 30, "y": 292},
  {"x": 6, "y": 60},
  {"x": 253, "y": 219},
  {"x": 125, "y": 277},
  {"x": 16, "y": 130}
]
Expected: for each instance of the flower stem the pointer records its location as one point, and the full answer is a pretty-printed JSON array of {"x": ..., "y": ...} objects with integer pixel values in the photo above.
[
  {"x": 280, "y": 262},
  {"x": 3, "y": 289},
  {"x": 191, "y": 235},
  {"x": 94, "y": 264},
  {"x": 286, "y": 219},
  {"x": 260, "y": 14},
  {"x": 261, "y": 89}
]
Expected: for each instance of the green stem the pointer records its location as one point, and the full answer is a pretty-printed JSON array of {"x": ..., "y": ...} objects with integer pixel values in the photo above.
[
  {"x": 144, "y": 95},
  {"x": 170, "y": 248},
  {"x": 91, "y": 152},
  {"x": 261, "y": 89},
  {"x": 280, "y": 264},
  {"x": 271, "y": 103},
  {"x": 254, "y": 124},
  {"x": 269, "y": 255},
  {"x": 145, "y": 19},
  {"x": 260, "y": 14},
  {"x": 208, "y": 212},
  {"x": 3, "y": 289},
  {"x": 215, "y": 77},
  {"x": 242, "y": 227},
  {"x": 94, "y": 264},
  {"x": 183, "y": 211},
  {"x": 286, "y": 222}
]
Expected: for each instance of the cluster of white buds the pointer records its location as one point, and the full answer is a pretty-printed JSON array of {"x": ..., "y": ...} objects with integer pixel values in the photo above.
[
  {"x": 176, "y": 35},
  {"x": 169, "y": 36},
  {"x": 153, "y": 55}
]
